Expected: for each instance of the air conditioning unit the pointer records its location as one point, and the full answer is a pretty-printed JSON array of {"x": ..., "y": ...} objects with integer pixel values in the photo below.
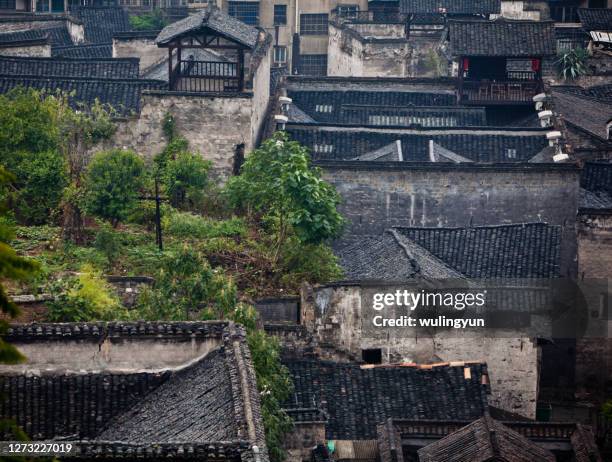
[{"x": 281, "y": 120}]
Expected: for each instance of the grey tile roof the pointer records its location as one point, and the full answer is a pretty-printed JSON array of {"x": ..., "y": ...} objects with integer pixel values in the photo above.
[
  {"x": 100, "y": 23},
  {"x": 33, "y": 35},
  {"x": 215, "y": 20},
  {"x": 194, "y": 405},
  {"x": 373, "y": 258},
  {"x": 90, "y": 68},
  {"x": 502, "y": 37},
  {"x": 484, "y": 7},
  {"x": 356, "y": 399},
  {"x": 584, "y": 111},
  {"x": 597, "y": 177},
  {"x": 84, "y": 51},
  {"x": 530, "y": 250},
  {"x": 122, "y": 94},
  {"x": 391, "y": 152},
  {"x": 484, "y": 440},
  {"x": 596, "y": 200},
  {"x": 492, "y": 145},
  {"x": 596, "y": 18}
]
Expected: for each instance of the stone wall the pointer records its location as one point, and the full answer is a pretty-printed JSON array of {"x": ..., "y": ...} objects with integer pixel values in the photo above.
[
  {"x": 302, "y": 439},
  {"x": 334, "y": 315},
  {"x": 524, "y": 10},
  {"x": 141, "y": 45},
  {"x": 361, "y": 51},
  {"x": 376, "y": 197},
  {"x": 213, "y": 125}
]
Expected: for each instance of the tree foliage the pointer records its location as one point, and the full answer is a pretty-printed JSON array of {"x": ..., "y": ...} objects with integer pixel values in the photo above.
[
  {"x": 278, "y": 181},
  {"x": 573, "y": 63},
  {"x": 185, "y": 287},
  {"x": 12, "y": 267},
  {"x": 154, "y": 20},
  {"x": 113, "y": 183}
]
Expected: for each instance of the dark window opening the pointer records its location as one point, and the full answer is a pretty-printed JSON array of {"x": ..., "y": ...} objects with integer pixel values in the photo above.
[
  {"x": 247, "y": 12},
  {"x": 280, "y": 15},
  {"x": 313, "y": 65},
  {"x": 598, "y": 3},
  {"x": 280, "y": 55},
  {"x": 314, "y": 24},
  {"x": 373, "y": 356},
  {"x": 347, "y": 11},
  {"x": 7, "y": 4}
]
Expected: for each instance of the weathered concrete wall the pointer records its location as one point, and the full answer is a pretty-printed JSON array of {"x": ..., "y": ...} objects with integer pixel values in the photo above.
[
  {"x": 595, "y": 246},
  {"x": 127, "y": 45},
  {"x": 352, "y": 55},
  {"x": 378, "y": 197},
  {"x": 198, "y": 118},
  {"x": 302, "y": 439},
  {"x": 334, "y": 315},
  {"x": 525, "y": 10},
  {"x": 28, "y": 51},
  {"x": 261, "y": 98},
  {"x": 116, "y": 355}
]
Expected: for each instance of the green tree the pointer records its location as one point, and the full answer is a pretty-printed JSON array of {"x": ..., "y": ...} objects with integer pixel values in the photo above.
[
  {"x": 185, "y": 179},
  {"x": 607, "y": 410},
  {"x": 113, "y": 182},
  {"x": 12, "y": 267},
  {"x": 278, "y": 182},
  {"x": 185, "y": 286},
  {"x": 155, "y": 20},
  {"x": 29, "y": 148},
  {"x": 573, "y": 63}
]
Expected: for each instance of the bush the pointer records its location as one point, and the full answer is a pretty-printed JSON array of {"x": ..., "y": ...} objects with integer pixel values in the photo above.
[
  {"x": 155, "y": 20},
  {"x": 185, "y": 178},
  {"x": 86, "y": 297},
  {"x": 310, "y": 262},
  {"x": 188, "y": 225},
  {"x": 108, "y": 242},
  {"x": 572, "y": 63},
  {"x": 113, "y": 183}
]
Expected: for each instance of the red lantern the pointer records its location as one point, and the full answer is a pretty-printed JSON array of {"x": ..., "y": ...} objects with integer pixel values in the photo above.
[{"x": 535, "y": 65}]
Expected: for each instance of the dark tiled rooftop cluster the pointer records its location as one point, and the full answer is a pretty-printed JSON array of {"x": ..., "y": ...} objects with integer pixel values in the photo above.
[
  {"x": 462, "y": 7},
  {"x": 596, "y": 186},
  {"x": 51, "y": 406},
  {"x": 483, "y": 440},
  {"x": 100, "y": 23},
  {"x": 590, "y": 110},
  {"x": 596, "y": 18},
  {"x": 84, "y": 51},
  {"x": 56, "y": 67},
  {"x": 326, "y": 106},
  {"x": 329, "y": 143},
  {"x": 356, "y": 399},
  {"x": 196, "y": 404},
  {"x": 122, "y": 94},
  {"x": 502, "y": 37},
  {"x": 505, "y": 251}
]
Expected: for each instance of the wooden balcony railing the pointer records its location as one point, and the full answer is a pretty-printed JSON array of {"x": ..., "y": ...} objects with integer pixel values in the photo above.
[
  {"x": 510, "y": 92},
  {"x": 369, "y": 17},
  {"x": 206, "y": 76}
]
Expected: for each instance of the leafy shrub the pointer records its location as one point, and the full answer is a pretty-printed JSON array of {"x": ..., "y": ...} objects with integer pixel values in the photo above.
[
  {"x": 155, "y": 20},
  {"x": 108, "y": 242},
  {"x": 86, "y": 297},
  {"x": 573, "y": 63},
  {"x": 185, "y": 178},
  {"x": 113, "y": 182},
  {"x": 188, "y": 225},
  {"x": 315, "y": 263}
]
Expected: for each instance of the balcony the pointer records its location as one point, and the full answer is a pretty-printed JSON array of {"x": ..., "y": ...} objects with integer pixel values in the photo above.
[
  {"x": 206, "y": 76},
  {"x": 499, "y": 93},
  {"x": 368, "y": 17}
]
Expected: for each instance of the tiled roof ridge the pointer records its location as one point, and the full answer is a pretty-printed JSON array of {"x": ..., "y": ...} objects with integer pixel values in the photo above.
[
  {"x": 79, "y": 330},
  {"x": 501, "y": 19},
  {"x": 82, "y": 79},
  {"x": 510, "y": 131},
  {"x": 223, "y": 450},
  {"x": 427, "y": 366},
  {"x": 455, "y": 228},
  {"x": 35, "y": 17},
  {"x": 70, "y": 60}
]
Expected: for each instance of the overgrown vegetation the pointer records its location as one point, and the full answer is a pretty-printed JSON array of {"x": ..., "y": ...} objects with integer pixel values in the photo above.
[
  {"x": 573, "y": 63},
  {"x": 154, "y": 20},
  {"x": 82, "y": 215}
]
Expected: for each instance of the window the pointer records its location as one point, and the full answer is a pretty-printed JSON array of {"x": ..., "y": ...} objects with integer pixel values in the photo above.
[
  {"x": 511, "y": 153},
  {"x": 313, "y": 64},
  {"x": 313, "y": 24},
  {"x": 373, "y": 356},
  {"x": 280, "y": 55},
  {"x": 325, "y": 108},
  {"x": 280, "y": 15},
  {"x": 7, "y": 4},
  {"x": 323, "y": 148},
  {"x": 247, "y": 12},
  {"x": 347, "y": 11}
]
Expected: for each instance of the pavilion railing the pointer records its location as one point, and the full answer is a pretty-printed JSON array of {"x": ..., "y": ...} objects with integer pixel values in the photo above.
[
  {"x": 499, "y": 92},
  {"x": 206, "y": 76}
]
